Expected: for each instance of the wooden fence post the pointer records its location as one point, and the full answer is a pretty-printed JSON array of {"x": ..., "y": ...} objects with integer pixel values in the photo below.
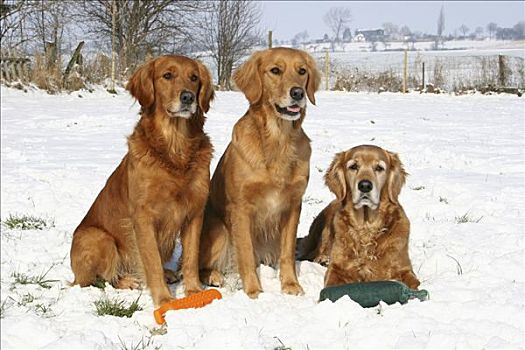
[
  {"x": 113, "y": 39},
  {"x": 502, "y": 71},
  {"x": 405, "y": 64},
  {"x": 75, "y": 58},
  {"x": 270, "y": 39},
  {"x": 327, "y": 70},
  {"x": 423, "y": 77}
]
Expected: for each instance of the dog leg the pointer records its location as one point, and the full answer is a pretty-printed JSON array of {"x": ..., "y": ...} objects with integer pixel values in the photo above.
[
  {"x": 410, "y": 279},
  {"x": 93, "y": 254},
  {"x": 170, "y": 276},
  {"x": 190, "y": 237},
  {"x": 151, "y": 261},
  {"x": 212, "y": 277},
  {"x": 288, "y": 274},
  {"x": 335, "y": 277},
  {"x": 127, "y": 282},
  {"x": 243, "y": 242}
]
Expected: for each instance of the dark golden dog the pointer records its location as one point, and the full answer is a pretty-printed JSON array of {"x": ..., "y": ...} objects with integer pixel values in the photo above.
[
  {"x": 363, "y": 233},
  {"x": 256, "y": 190},
  {"x": 158, "y": 190}
]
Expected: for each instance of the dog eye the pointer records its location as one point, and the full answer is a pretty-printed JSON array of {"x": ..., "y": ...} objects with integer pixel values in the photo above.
[
  {"x": 275, "y": 70},
  {"x": 353, "y": 166},
  {"x": 302, "y": 71},
  {"x": 167, "y": 76},
  {"x": 194, "y": 77},
  {"x": 379, "y": 168}
]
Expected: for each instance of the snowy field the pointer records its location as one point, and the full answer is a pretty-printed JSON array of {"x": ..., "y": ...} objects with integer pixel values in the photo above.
[{"x": 464, "y": 197}]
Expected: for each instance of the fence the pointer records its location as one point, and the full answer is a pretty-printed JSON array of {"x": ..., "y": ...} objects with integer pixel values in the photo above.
[
  {"x": 349, "y": 71},
  {"x": 445, "y": 70},
  {"x": 14, "y": 67}
]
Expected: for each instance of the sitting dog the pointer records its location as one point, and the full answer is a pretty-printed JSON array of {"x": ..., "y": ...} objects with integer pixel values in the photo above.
[
  {"x": 363, "y": 233},
  {"x": 255, "y": 195},
  {"x": 159, "y": 189}
]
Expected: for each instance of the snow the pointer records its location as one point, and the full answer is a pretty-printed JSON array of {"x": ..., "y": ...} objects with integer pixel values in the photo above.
[{"x": 465, "y": 155}]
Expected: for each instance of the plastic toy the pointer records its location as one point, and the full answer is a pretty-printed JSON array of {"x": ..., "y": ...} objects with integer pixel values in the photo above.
[
  {"x": 369, "y": 294},
  {"x": 193, "y": 301}
]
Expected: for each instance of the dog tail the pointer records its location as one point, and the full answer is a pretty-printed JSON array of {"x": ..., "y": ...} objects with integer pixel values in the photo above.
[{"x": 308, "y": 247}]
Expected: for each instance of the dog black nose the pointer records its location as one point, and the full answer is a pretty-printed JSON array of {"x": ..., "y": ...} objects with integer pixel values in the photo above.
[
  {"x": 187, "y": 97},
  {"x": 365, "y": 186},
  {"x": 297, "y": 93}
]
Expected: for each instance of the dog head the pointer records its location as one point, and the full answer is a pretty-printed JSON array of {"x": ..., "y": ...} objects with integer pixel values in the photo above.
[
  {"x": 176, "y": 86},
  {"x": 366, "y": 175},
  {"x": 281, "y": 78}
]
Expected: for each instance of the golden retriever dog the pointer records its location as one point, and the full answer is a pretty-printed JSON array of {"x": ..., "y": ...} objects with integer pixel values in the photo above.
[
  {"x": 363, "y": 233},
  {"x": 255, "y": 194},
  {"x": 159, "y": 189}
]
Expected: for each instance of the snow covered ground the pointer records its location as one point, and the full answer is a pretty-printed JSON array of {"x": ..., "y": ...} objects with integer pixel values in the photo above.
[{"x": 464, "y": 197}]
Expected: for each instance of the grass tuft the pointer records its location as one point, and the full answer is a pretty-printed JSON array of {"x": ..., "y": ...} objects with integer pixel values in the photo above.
[
  {"x": 22, "y": 278},
  {"x": 4, "y": 306},
  {"x": 116, "y": 307},
  {"x": 467, "y": 218},
  {"x": 27, "y": 298},
  {"x": 27, "y": 222},
  {"x": 282, "y": 346},
  {"x": 143, "y": 344}
]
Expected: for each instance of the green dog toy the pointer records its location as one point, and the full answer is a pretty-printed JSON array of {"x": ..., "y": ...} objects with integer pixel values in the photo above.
[{"x": 369, "y": 294}]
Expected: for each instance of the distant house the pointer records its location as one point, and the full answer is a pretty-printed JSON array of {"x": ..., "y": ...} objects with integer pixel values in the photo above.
[{"x": 362, "y": 35}]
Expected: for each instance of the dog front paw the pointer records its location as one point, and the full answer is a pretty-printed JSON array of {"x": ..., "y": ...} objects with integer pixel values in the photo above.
[
  {"x": 292, "y": 288},
  {"x": 253, "y": 294},
  {"x": 192, "y": 289}
]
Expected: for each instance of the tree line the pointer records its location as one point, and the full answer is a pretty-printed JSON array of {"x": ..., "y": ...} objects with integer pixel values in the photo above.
[{"x": 134, "y": 29}]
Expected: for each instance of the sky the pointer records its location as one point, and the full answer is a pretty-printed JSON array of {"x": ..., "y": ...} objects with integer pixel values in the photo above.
[{"x": 287, "y": 18}]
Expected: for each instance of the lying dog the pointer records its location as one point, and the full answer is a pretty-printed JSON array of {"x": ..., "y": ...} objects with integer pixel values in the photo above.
[
  {"x": 256, "y": 191},
  {"x": 158, "y": 190},
  {"x": 363, "y": 233}
]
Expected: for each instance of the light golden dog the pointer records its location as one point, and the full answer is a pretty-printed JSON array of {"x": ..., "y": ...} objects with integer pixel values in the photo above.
[
  {"x": 363, "y": 233},
  {"x": 158, "y": 190},
  {"x": 256, "y": 190}
]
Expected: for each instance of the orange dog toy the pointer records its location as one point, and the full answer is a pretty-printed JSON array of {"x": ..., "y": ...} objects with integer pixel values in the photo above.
[{"x": 193, "y": 301}]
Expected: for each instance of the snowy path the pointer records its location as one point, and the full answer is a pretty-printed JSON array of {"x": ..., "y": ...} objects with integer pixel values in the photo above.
[{"x": 465, "y": 156}]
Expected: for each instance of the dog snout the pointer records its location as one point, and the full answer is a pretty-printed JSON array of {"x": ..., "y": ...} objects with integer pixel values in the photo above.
[
  {"x": 365, "y": 186},
  {"x": 297, "y": 93},
  {"x": 187, "y": 97}
]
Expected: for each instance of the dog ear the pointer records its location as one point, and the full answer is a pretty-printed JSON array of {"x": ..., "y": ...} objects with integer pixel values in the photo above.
[
  {"x": 314, "y": 78},
  {"x": 206, "y": 92},
  {"x": 248, "y": 80},
  {"x": 140, "y": 85},
  {"x": 396, "y": 177},
  {"x": 335, "y": 177}
]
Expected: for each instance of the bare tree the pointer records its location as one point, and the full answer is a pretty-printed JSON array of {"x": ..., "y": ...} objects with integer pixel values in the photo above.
[
  {"x": 228, "y": 33},
  {"x": 13, "y": 24},
  {"x": 464, "y": 30},
  {"x": 441, "y": 22},
  {"x": 142, "y": 26},
  {"x": 49, "y": 21},
  {"x": 300, "y": 38},
  {"x": 519, "y": 30},
  {"x": 337, "y": 18},
  {"x": 492, "y": 28},
  {"x": 405, "y": 31},
  {"x": 391, "y": 30},
  {"x": 440, "y": 28},
  {"x": 478, "y": 33}
]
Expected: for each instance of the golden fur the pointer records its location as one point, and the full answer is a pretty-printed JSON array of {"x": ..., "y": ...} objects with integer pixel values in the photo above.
[
  {"x": 256, "y": 190},
  {"x": 359, "y": 242},
  {"x": 158, "y": 190}
]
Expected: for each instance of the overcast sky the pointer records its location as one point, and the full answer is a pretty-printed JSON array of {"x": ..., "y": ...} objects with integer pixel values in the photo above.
[{"x": 287, "y": 18}]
